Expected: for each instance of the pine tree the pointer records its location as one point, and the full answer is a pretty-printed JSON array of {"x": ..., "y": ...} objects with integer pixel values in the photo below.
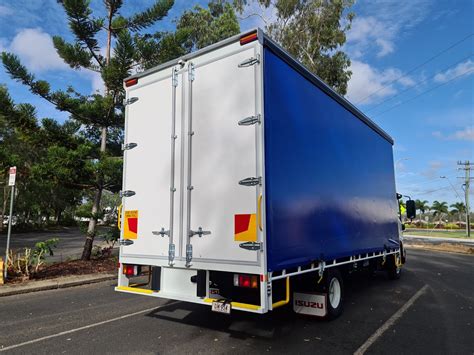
[{"x": 100, "y": 114}]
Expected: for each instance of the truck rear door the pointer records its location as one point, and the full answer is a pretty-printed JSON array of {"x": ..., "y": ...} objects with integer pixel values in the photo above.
[
  {"x": 151, "y": 153},
  {"x": 192, "y": 179},
  {"x": 222, "y": 175}
]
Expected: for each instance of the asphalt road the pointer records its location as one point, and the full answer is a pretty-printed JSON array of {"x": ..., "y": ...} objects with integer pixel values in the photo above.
[
  {"x": 439, "y": 321},
  {"x": 71, "y": 241}
]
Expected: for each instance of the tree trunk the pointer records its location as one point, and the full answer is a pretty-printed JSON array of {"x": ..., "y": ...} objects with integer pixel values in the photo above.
[
  {"x": 91, "y": 229},
  {"x": 86, "y": 253}
]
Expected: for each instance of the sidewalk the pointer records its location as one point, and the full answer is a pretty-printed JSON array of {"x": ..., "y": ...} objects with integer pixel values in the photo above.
[
  {"x": 61, "y": 282},
  {"x": 440, "y": 239}
]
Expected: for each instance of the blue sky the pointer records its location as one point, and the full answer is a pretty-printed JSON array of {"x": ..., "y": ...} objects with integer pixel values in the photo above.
[{"x": 412, "y": 64}]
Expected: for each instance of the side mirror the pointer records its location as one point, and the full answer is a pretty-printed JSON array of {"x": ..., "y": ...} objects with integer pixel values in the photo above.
[{"x": 411, "y": 209}]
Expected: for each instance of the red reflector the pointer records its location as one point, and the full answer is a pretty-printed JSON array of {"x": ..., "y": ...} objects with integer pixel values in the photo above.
[
  {"x": 248, "y": 38},
  {"x": 131, "y": 82}
]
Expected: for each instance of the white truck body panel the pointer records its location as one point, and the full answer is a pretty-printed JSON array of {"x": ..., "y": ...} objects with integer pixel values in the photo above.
[{"x": 222, "y": 153}]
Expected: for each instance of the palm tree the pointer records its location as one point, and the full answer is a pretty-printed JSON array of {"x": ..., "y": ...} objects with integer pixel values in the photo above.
[
  {"x": 457, "y": 209},
  {"x": 439, "y": 207},
  {"x": 422, "y": 206}
]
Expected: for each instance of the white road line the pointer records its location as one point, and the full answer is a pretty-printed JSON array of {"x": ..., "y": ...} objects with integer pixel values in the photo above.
[
  {"x": 85, "y": 327},
  {"x": 379, "y": 332}
]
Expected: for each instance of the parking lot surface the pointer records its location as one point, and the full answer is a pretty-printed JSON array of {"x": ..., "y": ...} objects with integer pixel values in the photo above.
[{"x": 428, "y": 311}]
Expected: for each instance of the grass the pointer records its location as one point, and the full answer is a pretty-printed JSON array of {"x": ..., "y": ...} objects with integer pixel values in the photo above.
[{"x": 437, "y": 233}]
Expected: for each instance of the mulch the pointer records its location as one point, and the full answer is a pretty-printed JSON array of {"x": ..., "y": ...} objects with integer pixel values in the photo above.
[{"x": 72, "y": 267}]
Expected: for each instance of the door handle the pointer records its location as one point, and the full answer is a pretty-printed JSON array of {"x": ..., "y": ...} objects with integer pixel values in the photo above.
[{"x": 199, "y": 232}]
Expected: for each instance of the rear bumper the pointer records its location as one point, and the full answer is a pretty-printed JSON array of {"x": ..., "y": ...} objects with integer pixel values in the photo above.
[{"x": 186, "y": 298}]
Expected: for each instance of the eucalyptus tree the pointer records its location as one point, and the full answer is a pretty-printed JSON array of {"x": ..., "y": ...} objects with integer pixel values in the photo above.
[{"x": 312, "y": 31}]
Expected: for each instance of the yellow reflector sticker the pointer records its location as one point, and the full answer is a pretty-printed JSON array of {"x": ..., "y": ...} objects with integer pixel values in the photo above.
[{"x": 130, "y": 225}]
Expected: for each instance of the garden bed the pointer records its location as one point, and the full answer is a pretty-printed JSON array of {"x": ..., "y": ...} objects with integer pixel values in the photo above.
[{"x": 69, "y": 268}]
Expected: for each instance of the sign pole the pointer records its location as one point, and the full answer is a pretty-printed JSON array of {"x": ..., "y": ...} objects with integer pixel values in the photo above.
[{"x": 11, "y": 182}]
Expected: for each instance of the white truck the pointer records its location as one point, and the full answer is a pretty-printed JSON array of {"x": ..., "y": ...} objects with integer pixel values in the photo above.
[{"x": 242, "y": 186}]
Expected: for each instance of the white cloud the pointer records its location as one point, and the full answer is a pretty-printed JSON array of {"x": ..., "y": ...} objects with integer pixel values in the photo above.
[
  {"x": 466, "y": 134},
  {"x": 35, "y": 48},
  {"x": 433, "y": 169},
  {"x": 366, "y": 31},
  {"x": 368, "y": 84},
  {"x": 3, "y": 45},
  {"x": 466, "y": 67},
  {"x": 381, "y": 23},
  {"x": 386, "y": 47}
]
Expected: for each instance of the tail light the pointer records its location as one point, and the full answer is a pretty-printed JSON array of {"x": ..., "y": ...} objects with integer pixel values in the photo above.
[
  {"x": 248, "y": 281},
  {"x": 248, "y": 38},
  {"x": 131, "y": 82},
  {"x": 131, "y": 270}
]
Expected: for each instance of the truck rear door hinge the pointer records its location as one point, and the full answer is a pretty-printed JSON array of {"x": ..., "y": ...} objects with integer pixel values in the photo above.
[
  {"x": 251, "y": 246},
  {"x": 129, "y": 146},
  {"x": 191, "y": 71},
  {"x": 250, "y": 61},
  {"x": 251, "y": 181},
  {"x": 174, "y": 78},
  {"x": 126, "y": 193},
  {"x": 125, "y": 242},
  {"x": 251, "y": 120},
  {"x": 130, "y": 101}
]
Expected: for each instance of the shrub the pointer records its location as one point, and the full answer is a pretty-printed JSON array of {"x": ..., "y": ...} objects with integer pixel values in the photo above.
[{"x": 27, "y": 262}]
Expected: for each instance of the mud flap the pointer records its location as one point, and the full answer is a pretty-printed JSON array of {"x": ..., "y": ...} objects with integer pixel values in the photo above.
[{"x": 313, "y": 304}]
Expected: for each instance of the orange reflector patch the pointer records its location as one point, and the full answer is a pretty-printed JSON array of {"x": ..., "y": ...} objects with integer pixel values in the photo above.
[
  {"x": 248, "y": 38},
  {"x": 245, "y": 227},
  {"x": 131, "y": 82},
  {"x": 131, "y": 225}
]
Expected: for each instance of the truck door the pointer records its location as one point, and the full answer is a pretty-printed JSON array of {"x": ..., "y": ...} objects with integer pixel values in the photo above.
[
  {"x": 222, "y": 179},
  {"x": 150, "y": 169}
]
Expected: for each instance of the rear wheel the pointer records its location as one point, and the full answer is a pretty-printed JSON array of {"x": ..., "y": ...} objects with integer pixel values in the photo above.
[
  {"x": 333, "y": 286},
  {"x": 394, "y": 267}
]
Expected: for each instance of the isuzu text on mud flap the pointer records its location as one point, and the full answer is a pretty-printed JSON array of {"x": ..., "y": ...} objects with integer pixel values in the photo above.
[{"x": 248, "y": 182}]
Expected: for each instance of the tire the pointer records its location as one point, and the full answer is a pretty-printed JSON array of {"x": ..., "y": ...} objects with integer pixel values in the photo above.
[
  {"x": 333, "y": 286},
  {"x": 394, "y": 272},
  {"x": 403, "y": 253}
]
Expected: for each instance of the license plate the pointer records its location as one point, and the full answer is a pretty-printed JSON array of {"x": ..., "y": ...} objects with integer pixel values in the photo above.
[{"x": 221, "y": 307}]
